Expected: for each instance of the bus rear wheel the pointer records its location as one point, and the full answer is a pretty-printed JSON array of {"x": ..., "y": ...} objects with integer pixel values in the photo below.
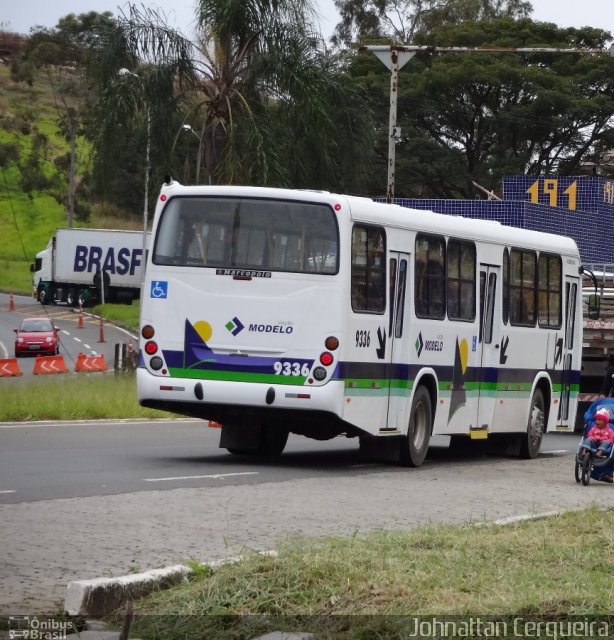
[
  {"x": 416, "y": 443},
  {"x": 270, "y": 441},
  {"x": 532, "y": 439}
]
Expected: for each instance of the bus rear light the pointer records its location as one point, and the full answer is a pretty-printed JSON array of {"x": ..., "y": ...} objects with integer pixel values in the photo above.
[
  {"x": 150, "y": 348},
  {"x": 148, "y": 332},
  {"x": 156, "y": 363},
  {"x": 326, "y": 358},
  {"x": 331, "y": 343},
  {"x": 319, "y": 373}
]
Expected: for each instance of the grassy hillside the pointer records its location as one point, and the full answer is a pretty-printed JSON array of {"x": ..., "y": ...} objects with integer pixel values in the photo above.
[{"x": 27, "y": 223}]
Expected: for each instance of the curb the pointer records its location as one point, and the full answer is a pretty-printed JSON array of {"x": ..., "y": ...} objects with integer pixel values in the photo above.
[{"x": 101, "y": 596}]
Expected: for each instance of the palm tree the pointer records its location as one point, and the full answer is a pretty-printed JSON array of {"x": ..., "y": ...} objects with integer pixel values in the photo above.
[{"x": 257, "y": 64}]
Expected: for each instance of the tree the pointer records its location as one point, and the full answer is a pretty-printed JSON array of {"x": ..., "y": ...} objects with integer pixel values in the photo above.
[
  {"x": 400, "y": 20},
  {"x": 258, "y": 80},
  {"x": 476, "y": 117},
  {"x": 59, "y": 57}
]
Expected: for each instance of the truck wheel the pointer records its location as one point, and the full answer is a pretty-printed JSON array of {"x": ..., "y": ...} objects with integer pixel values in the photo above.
[
  {"x": 416, "y": 443},
  {"x": 532, "y": 440},
  {"x": 43, "y": 295},
  {"x": 83, "y": 298},
  {"x": 71, "y": 298}
]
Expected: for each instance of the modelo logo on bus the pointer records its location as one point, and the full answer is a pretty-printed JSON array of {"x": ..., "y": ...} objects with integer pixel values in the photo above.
[
  {"x": 271, "y": 328},
  {"x": 433, "y": 345},
  {"x": 114, "y": 261}
]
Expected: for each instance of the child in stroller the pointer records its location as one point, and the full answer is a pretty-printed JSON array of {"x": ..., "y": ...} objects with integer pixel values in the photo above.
[{"x": 595, "y": 459}]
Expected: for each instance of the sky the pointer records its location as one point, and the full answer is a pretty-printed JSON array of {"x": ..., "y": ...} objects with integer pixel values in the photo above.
[{"x": 21, "y": 15}]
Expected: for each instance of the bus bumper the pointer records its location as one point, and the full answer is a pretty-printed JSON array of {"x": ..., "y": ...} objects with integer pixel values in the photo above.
[{"x": 166, "y": 392}]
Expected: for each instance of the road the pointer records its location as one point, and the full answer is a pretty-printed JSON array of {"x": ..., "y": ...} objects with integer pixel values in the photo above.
[
  {"x": 91, "y": 500},
  {"x": 73, "y": 338}
]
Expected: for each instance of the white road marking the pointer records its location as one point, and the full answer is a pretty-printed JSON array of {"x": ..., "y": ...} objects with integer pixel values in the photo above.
[
  {"x": 216, "y": 476},
  {"x": 8, "y": 491},
  {"x": 77, "y": 339}
]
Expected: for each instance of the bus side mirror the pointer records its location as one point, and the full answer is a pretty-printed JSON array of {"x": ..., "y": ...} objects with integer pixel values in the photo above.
[{"x": 594, "y": 307}]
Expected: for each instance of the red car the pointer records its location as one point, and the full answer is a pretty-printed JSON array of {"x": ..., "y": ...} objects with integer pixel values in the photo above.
[{"x": 38, "y": 336}]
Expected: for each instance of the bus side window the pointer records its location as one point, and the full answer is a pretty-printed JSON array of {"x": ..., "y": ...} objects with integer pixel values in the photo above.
[
  {"x": 430, "y": 285},
  {"x": 368, "y": 288}
]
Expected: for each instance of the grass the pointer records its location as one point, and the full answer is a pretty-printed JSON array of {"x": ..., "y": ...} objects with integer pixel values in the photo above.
[
  {"x": 83, "y": 397},
  {"x": 554, "y": 567},
  {"x": 123, "y": 315}
]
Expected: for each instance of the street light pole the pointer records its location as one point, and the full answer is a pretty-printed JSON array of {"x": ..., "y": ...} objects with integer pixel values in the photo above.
[
  {"x": 146, "y": 198},
  {"x": 127, "y": 72},
  {"x": 187, "y": 127}
]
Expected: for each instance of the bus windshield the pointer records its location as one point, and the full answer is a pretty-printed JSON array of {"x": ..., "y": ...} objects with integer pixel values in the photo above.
[{"x": 248, "y": 233}]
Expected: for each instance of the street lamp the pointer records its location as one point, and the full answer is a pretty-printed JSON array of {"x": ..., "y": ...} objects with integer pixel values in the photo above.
[
  {"x": 127, "y": 72},
  {"x": 187, "y": 127}
]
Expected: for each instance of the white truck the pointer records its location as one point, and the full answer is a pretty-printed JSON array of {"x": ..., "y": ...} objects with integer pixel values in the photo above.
[{"x": 76, "y": 262}]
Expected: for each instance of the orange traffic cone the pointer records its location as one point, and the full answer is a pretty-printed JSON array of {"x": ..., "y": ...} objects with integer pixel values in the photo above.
[
  {"x": 11, "y": 303},
  {"x": 101, "y": 337},
  {"x": 80, "y": 323}
]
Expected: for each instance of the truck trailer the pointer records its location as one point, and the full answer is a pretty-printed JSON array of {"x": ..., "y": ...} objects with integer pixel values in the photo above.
[{"x": 89, "y": 266}]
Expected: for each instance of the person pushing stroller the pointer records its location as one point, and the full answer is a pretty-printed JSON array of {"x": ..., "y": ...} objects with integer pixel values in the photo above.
[{"x": 600, "y": 437}]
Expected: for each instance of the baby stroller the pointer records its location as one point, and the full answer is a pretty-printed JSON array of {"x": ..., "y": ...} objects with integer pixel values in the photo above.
[{"x": 588, "y": 465}]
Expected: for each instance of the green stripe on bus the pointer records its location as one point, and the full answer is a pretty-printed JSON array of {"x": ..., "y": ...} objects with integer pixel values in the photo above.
[{"x": 236, "y": 376}]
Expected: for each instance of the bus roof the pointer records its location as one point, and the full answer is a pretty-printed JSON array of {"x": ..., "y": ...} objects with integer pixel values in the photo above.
[{"x": 367, "y": 210}]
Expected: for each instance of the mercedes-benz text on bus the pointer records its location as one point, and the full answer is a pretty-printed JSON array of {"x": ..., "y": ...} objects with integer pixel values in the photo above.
[{"x": 275, "y": 311}]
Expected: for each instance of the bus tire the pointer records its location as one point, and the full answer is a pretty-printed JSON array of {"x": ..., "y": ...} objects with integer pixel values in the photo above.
[
  {"x": 272, "y": 440},
  {"x": 532, "y": 438},
  {"x": 416, "y": 443}
]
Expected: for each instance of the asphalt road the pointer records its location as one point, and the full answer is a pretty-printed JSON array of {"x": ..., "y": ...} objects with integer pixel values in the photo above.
[
  {"x": 101, "y": 499},
  {"x": 73, "y": 338},
  {"x": 48, "y": 461}
]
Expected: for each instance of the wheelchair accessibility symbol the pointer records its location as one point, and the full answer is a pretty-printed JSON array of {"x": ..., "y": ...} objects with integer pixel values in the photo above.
[{"x": 159, "y": 289}]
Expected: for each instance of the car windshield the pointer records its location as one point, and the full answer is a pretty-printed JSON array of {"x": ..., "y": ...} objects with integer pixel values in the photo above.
[{"x": 36, "y": 325}]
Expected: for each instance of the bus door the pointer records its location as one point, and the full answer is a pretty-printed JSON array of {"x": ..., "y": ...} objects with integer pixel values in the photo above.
[
  {"x": 490, "y": 344},
  {"x": 565, "y": 351},
  {"x": 398, "y": 357}
]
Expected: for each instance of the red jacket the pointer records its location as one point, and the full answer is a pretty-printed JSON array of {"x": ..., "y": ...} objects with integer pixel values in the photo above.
[{"x": 603, "y": 433}]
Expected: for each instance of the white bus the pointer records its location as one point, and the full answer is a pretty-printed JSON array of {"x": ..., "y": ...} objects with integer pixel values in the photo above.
[{"x": 273, "y": 311}]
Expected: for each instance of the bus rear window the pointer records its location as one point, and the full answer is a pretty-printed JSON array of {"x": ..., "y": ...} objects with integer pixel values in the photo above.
[{"x": 248, "y": 233}]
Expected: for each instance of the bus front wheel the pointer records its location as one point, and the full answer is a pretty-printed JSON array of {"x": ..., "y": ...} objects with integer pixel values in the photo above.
[
  {"x": 532, "y": 439},
  {"x": 416, "y": 443}
]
